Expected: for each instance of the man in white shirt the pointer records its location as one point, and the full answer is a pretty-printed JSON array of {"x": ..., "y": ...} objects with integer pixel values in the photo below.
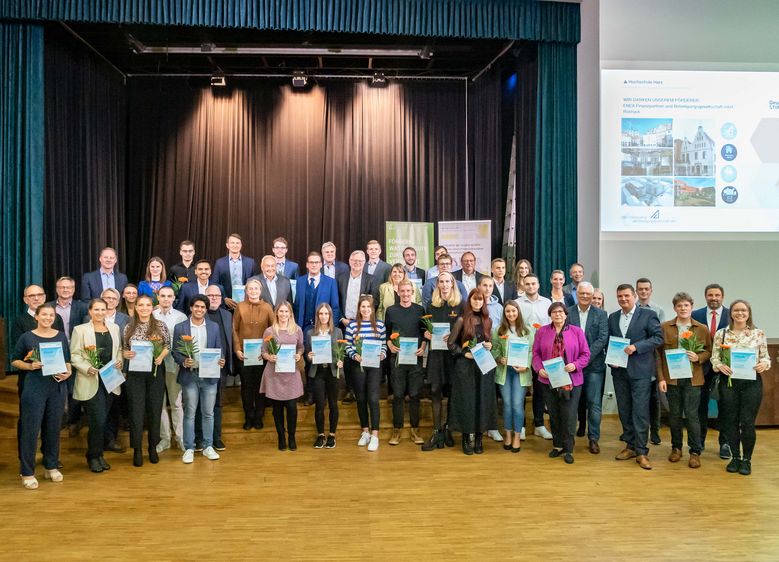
[
  {"x": 468, "y": 275},
  {"x": 170, "y": 316}
]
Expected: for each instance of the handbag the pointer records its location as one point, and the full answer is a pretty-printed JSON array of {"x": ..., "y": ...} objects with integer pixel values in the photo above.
[{"x": 714, "y": 392}]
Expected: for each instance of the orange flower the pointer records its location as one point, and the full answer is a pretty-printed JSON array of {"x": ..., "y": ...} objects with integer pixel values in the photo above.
[
  {"x": 357, "y": 337},
  {"x": 686, "y": 335},
  {"x": 183, "y": 279},
  {"x": 536, "y": 326},
  {"x": 725, "y": 346},
  {"x": 268, "y": 338},
  {"x": 394, "y": 335},
  {"x": 28, "y": 356},
  {"x": 427, "y": 316},
  {"x": 186, "y": 338},
  {"x": 467, "y": 344},
  {"x": 504, "y": 337},
  {"x": 155, "y": 338},
  {"x": 89, "y": 348},
  {"x": 341, "y": 341}
]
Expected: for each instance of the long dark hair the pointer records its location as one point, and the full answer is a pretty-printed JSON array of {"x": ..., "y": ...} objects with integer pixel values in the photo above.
[
  {"x": 504, "y": 327},
  {"x": 471, "y": 318},
  {"x": 154, "y": 324}
]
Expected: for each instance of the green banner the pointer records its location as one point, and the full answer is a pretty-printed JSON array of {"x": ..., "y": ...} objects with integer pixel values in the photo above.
[{"x": 418, "y": 235}]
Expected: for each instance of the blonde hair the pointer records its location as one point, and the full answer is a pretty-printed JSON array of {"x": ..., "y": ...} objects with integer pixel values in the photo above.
[
  {"x": 292, "y": 327},
  {"x": 454, "y": 299}
]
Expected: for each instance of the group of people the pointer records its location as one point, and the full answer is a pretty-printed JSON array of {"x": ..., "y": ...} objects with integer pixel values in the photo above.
[{"x": 269, "y": 323}]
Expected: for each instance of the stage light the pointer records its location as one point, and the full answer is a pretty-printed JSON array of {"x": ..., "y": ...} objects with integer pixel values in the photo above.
[
  {"x": 299, "y": 79},
  {"x": 218, "y": 80},
  {"x": 378, "y": 80}
]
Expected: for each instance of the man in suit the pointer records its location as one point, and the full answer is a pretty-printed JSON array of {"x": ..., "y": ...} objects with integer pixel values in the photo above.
[
  {"x": 188, "y": 291},
  {"x": 468, "y": 275},
  {"x": 233, "y": 269},
  {"x": 714, "y": 316},
  {"x": 195, "y": 389},
  {"x": 313, "y": 289},
  {"x": 330, "y": 265},
  {"x": 632, "y": 384},
  {"x": 222, "y": 318},
  {"x": 275, "y": 288},
  {"x": 352, "y": 284},
  {"x": 106, "y": 277},
  {"x": 644, "y": 292},
  {"x": 186, "y": 267},
  {"x": 284, "y": 267},
  {"x": 376, "y": 266},
  {"x": 595, "y": 323},
  {"x": 505, "y": 289},
  {"x": 119, "y": 404},
  {"x": 410, "y": 265},
  {"x": 444, "y": 264},
  {"x": 576, "y": 273}
]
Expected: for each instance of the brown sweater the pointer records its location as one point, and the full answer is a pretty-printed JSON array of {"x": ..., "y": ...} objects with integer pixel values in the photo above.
[
  {"x": 671, "y": 341},
  {"x": 250, "y": 320}
]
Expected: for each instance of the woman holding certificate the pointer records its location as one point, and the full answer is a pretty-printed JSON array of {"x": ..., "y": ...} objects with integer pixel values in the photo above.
[
  {"x": 282, "y": 350},
  {"x": 325, "y": 367},
  {"x": 146, "y": 344},
  {"x": 740, "y": 353},
  {"x": 560, "y": 352},
  {"x": 366, "y": 340},
  {"x": 44, "y": 355},
  {"x": 473, "y": 392},
  {"x": 512, "y": 346},
  {"x": 96, "y": 351},
  {"x": 251, "y": 318},
  {"x": 445, "y": 307}
]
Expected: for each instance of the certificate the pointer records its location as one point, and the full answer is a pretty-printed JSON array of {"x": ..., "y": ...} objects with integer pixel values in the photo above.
[
  {"x": 208, "y": 363},
  {"x": 371, "y": 353},
  {"x": 53, "y": 358},
  {"x": 322, "y": 347},
  {"x": 518, "y": 352},
  {"x": 556, "y": 373},
  {"x": 615, "y": 355},
  {"x": 252, "y": 350},
  {"x": 285, "y": 358},
  {"x": 678, "y": 364},
  {"x": 408, "y": 351},
  {"x": 239, "y": 293},
  {"x": 484, "y": 359},
  {"x": 111, "y": 377},
  {"x": 742, "y": 363},
  {"x": 144, "y": 356},
  {"x": 417, "y": 283},
  {"x": 440, "y": 329}
]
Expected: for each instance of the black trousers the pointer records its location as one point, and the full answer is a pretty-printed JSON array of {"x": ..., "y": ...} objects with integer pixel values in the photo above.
[
  {"x": 41, "y": 405},
  {"x": 291, "y": 409},
  {"x": 742, "y": 403},
  {"x": 563, "y": 415},
  {"x": 405, "y": 377},
  {"x": 97, "y": 409},
  {"x": 145, "y": 395},
  {"x": 74, "y": 406},
  {"x": 366, "y": 390},
  {"x": 654, "y": 408},
  {"x": 253, "y": 401},
  {"x": 538, "y": 401},
  {"x": 683, "y": 400},
  {"x": 117, "y": 410},
  {"x": 325, "y": 387}
]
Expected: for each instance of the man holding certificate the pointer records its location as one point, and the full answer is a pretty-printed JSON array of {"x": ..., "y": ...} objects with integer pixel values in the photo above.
[
  {"x": 197, "y": 348},
  {"x": 686, "y": 346},
  {"x": 633, "y": 380},
  {"x": 405, "y": 320}
]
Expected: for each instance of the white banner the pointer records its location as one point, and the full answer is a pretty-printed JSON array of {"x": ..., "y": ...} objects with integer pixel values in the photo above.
[{"x": 467, "y": 236}]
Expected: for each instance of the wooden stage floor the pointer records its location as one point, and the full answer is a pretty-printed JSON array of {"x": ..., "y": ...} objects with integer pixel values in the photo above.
[{"x": 396, "y": 504}]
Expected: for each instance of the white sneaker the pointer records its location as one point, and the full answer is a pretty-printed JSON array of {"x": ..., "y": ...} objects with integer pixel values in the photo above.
[
  {"x": 495, "y": 435},
  {"x": 542, "y": 432},
  {"x": 365, "y": 438},
  {"x": 522, "y": 436},
  {"x": 210, "y": 453},
  {"x": 374, "y": 444},
  {"x": 163, "y": 445},
  {"x": 188, "y": 456}
]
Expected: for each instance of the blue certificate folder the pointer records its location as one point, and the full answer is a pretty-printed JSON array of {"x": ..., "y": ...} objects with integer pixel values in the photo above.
[
  {"x": 440, "y": 329},
  {"x": 322, "y": 347},
  {"x": 239, "y": 293},
  {"x": 408, "y": 351},
  {"x": 518, "y": 352},
  {"x": 371, "y": 353},
  {"x": 742, "y": 363},
  {"x": 484, "y": 359},
  {"x": 678, "y": 364},
  {"x": 615, "y": 355},
  {"x": 556, "y": 373},
  {"x": 53, "y": 358},
  {"x": 111, "y": 377},
  {"x": 144, "y": 356},
  {"x": 285, "y": 358},
  {"x": 208, "y": 363},
  {"x": 252, "y": 352}
]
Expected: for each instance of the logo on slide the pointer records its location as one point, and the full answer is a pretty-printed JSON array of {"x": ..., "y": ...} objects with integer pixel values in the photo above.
[
  {"x": 729, "y": 152},
  {"x": 655, "y": 215},
  {"x": 729, "y": 131},
  {"x": 729, "y": 194},
  {"x": 728, "y": 173}
]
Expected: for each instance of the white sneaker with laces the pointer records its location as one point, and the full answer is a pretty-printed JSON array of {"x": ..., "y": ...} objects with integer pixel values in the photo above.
[
  {"x": 374, "y": 443},
  {"x": 522, "y": 436},
  {"x": 210, "y": 453},
  {"x": 542, "y": 432},
  {"x": 188, "y": 456},
  {"x": 365, "y": 438},
  {"x": 163, "y": 445},
  {"x": 495, "y": 435}
]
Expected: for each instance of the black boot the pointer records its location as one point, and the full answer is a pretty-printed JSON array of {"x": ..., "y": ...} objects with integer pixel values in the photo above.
[
  {"x": 477, "y": 446},
  {"x": 448, "y": 439},
  {"x": 153, "y": 456},
  {"x": 137, "y": 457},
  {"x": 282, "y": 442},
  {"x": 467, "y": 444},
  {"x": 293, "y": 445},
  {"x": 432, "y": 443}
]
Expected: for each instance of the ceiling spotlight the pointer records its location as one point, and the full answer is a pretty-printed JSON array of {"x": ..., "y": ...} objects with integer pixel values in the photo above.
[
  {"x": 378, "y": 80},
  {"x": 218, "y": 80},
  {"x": 299, "y": 79}
]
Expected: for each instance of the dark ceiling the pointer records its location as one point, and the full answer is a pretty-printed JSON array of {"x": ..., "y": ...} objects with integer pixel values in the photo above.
[{"x": 120, "y": 44}]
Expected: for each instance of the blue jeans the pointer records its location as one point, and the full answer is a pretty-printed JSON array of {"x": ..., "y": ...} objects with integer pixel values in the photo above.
[
  {"x": 204, "y": 392},
  {"x": 593, "y": 395},
  {"x": 513, "y": 395}
]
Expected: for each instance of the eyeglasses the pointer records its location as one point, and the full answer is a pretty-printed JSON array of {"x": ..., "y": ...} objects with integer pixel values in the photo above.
[{"x": 279, "y": 247}]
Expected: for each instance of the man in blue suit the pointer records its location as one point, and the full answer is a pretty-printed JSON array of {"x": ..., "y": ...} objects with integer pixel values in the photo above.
[
  {"x": 190, "y": 290},
  {"x": 595, "y": 323},
  {"x": 284, "y": 267},
  {"x": 196, "y": 389},
  {"x": 313, "y": 289},
  {"x": 632, "y": 385},
  {"x": 106, "y": 277},
  {"x": 715, "y": 316},
  {"x": 330, "y": 265},
  {"x": 233, "y": 269}
]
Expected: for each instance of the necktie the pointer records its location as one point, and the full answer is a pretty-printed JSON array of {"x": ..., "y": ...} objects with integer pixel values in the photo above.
[
  {"x": 311, "y": 283},
  {"x": 713, "y": 327}
]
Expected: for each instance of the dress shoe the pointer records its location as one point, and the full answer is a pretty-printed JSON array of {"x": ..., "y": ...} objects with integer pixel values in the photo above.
[
  {"x": 643, "y": 462},
  {"x": 478, "y": 447},
  {"x": 309, "y": 400},
  {"x": 568, "y": 458},
  {"x": 104, "y": 465},
  {"x": 247, "y": 425},
  {"x": 137, "y": 457},
  {"x": 395, "y": 439},
  {"x": 675, "y": 456},
  {"x": 554, "y": 453},
  {"x": 415, "y": 437},
  {"x": 154, "y": 458},
  {"x": 594, "y": 447},
  {"x": 219, "y": 445},
  {"x": 655, "y": 438},
  {"x": 293, "y": 444},
  {"x": 734, "y": 465},
  {"x": 448, "y": 438},
  {"x": 746, "y": 467},
  {"x": 349, "y": 398},
  {"x": 258, "y": 424},
  {"x": 114, "y": 447},
  {"x": 282, "y": 442},
  {"x": 433, "y": 443},
  {"x": 506, "y": 446},
  {"x": 581, "y": 431},
  {"x": 467, "y": 444},
  {"x": 625, "y": 454},
  {"x": 695, "y": 461},
  {"x": 94, "y": 465},
  {"x": 622, "y": 438},
  {"x": 724, "y": 452}
]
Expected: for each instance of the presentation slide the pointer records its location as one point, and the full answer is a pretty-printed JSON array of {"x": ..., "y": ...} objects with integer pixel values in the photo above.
[{"x": 689, "y": 151}]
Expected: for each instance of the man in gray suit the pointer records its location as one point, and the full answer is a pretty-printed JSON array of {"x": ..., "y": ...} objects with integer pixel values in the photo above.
[
  {"x": 632, "y": 385},
  {"x": 375, "y": 265},
  {"x": 275, "y": 288},
  {"x": 595, "y": 323}
]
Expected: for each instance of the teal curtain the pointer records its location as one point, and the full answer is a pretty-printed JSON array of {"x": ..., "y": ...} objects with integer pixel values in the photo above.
[
  {"x": 21, "y": 163},
  {"x": 479, "y": 19},
  {"x": 555, "y": 163}
]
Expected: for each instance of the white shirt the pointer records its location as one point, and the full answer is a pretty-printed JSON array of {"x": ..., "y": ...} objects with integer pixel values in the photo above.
[
  {"x": 170, "y": 319},
  {"x": 271, "y": 283},
  {"x": 352, "y": 296},
  {"x": 583, "y": 315},
  {"x": 624, "y": 320},
  {"x": 329, "y": 269},
  {"x": 112, "y": 318},
  {"x": 499, "y": 288},
  {"x": 199, "y": 334},
  {"x": 469, "y": 281},
  {"x": 535, "y": 312},
  {"x": 709, "y": 312},
  {"x": 201, "y": 289}
]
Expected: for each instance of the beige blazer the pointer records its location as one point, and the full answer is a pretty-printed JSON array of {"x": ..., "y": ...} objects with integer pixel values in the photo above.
[{"x": 83, "y": 335}]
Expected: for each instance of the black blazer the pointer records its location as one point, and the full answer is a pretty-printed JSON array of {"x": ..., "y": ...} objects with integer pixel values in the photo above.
[
  {"x": 459, "y": 275},
  {"x": 510, "y": 290},
  {"x": 645, "y": 333},
  {"x": 283, "y": 290},
  {"x": 420, "y": 273},
  {"x": 187, "y": 292},
  {"x": 597, "y": 333},
  {"x": 368, "y": 286},
  {"x": 381, "y": 273},
  {"x": 92, "y": 284},
  {"x": 700, "y": 315},
  {"x": 24, "y": 323}
]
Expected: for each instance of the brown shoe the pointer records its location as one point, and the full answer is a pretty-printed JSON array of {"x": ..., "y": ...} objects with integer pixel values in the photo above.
[
  {"x": 695, "y": 461},
  {"x": 626, "y": 454},
  {"x": 415, "y": 437},
  {"x": 676, "y": 455},
  {"x": 643, "y": 462},
  {"x": 594, "y": 447},
  {"x": 395, "y": 439}
]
